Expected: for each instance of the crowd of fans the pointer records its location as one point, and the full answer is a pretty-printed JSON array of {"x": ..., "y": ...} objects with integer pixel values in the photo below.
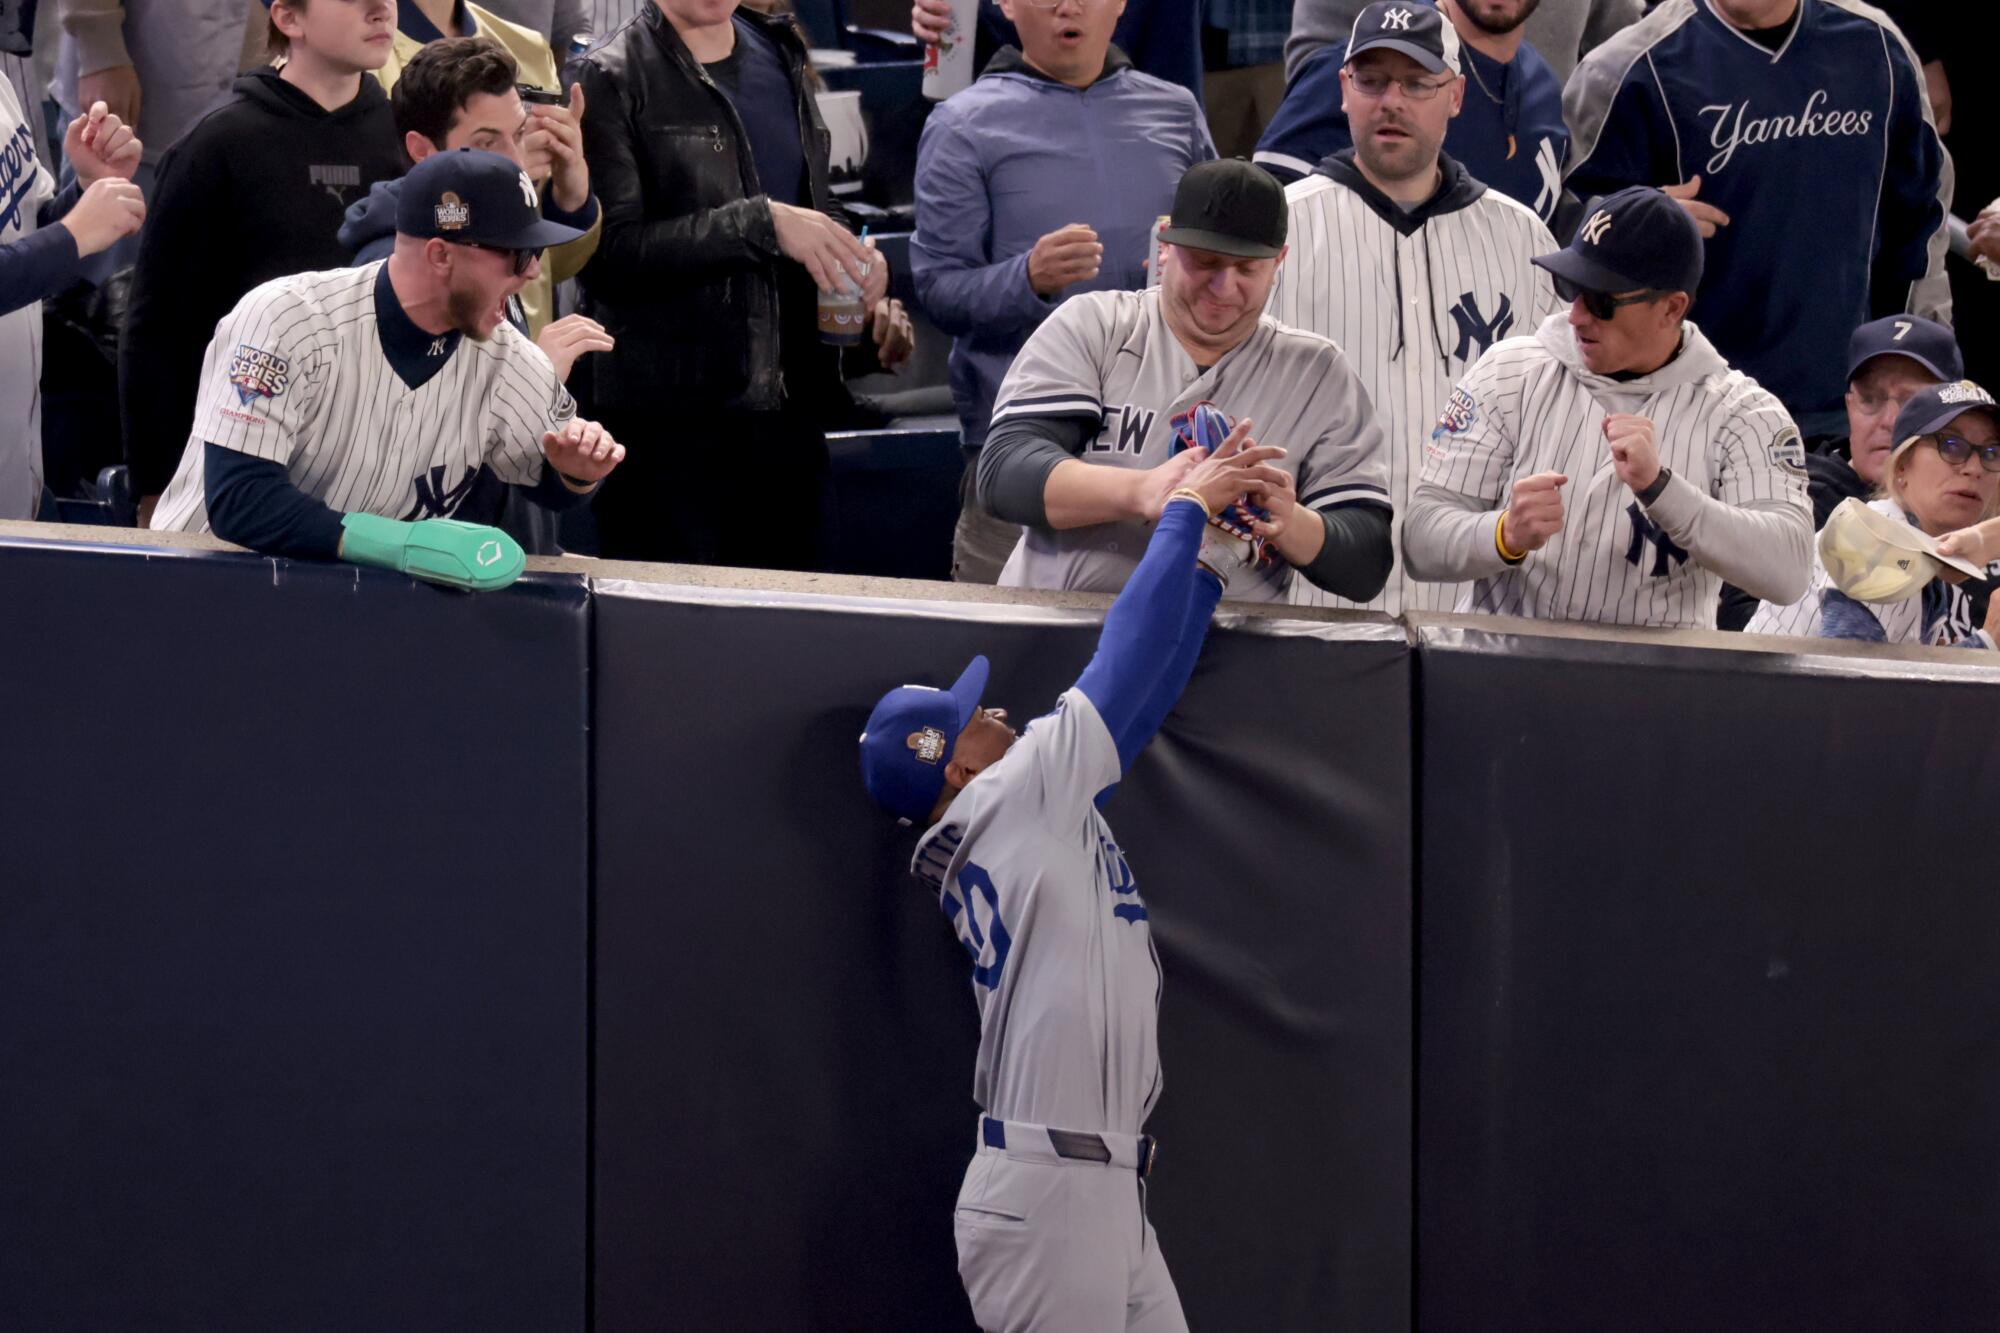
[{"x": 1605, "y": 305}]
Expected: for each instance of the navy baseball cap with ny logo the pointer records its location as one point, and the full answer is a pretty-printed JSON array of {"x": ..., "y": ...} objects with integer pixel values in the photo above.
[
  {"x": 1413, "y": 27},
  {"x": 474, "y": 197},
  {"x": 1636, "y": 239}
]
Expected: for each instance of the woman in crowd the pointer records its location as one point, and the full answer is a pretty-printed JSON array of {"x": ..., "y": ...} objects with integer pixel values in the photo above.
[{"x": 1943, "y": 476}]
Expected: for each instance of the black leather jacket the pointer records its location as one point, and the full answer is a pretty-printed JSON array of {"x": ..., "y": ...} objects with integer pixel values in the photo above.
[{"x": 687, "y": 275}]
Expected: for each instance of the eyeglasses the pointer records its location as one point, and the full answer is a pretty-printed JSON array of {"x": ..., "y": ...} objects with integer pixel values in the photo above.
[
  {"x": 1603, "y": 305},
  {"x": 521, "y": 258},
  {"x": 1872, "y": 403},
  {"x": 1374, "y": 83},
  {"x": 1955, "y": 449}
]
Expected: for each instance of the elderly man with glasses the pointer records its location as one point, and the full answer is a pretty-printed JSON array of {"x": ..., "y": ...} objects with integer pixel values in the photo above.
[
  {"x": 1888, "y": 361},
  {"x": 1612, "y": 467},
  {"x": 1042, "y": 180}
]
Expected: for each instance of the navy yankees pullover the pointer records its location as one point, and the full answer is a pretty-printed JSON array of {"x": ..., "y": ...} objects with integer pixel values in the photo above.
[{"x": 1822, "y": 153}]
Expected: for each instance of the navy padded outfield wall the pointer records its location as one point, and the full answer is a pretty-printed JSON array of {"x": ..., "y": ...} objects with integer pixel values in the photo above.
[
  {"x": 293, "y": 984},
  {"x": 785, "y": 1030},
  {"x": 1710, "y": 1024}
]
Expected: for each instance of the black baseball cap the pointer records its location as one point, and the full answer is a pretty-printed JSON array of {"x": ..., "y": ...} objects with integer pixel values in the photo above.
[
  {"x": 469, "y": 195},
  {"x": 1414, "y": 27},
  {"x": 1936, "y": 407},
  {"x": 1636, "y": 238},
  {"x": 1925, "y": 341},
  {"x": 1230, "y": 207}
]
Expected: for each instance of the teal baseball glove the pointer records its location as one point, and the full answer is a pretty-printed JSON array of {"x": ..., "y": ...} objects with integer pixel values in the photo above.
[{"x": 437, "y": 550}]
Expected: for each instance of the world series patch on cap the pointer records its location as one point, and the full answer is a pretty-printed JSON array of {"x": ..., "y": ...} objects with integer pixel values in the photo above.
[
  {"x": 474, "y": 197},
  {"x": 909, "y": 740}
]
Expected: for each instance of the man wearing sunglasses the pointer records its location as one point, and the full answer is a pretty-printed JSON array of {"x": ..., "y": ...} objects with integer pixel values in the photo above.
[
  {"x": 1612, "y": 467},
  {"x": 344, "y": 414}
]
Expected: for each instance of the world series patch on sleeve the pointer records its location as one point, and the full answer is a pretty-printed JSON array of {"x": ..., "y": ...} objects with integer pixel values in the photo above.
[{"x": 1459, "y": 414}]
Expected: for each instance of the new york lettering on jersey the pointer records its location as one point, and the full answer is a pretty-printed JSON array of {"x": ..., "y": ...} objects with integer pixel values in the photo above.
[{"x": 1111, "y": 355}]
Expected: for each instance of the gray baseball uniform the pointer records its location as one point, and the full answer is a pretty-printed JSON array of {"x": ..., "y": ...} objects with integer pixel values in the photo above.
[
  {"x": 1068, "y": 988},
  {"x": 1413, "y": 297},
  {"x": 1735, "y": 508},
  {"x": 1940, "y": 618},
  {"x": 1110, "y": 356}
]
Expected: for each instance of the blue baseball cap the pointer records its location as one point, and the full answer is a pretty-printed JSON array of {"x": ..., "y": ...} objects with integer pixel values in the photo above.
[
  {"x": 472, "y": 196},
  {"x": 1636, "y": 238},
  {"x": 909, "y": 740},
  {"x": 1925, "y": 341},
  {"x": 1936, "y": 407},
  {"x": 1413, "y": 27}
]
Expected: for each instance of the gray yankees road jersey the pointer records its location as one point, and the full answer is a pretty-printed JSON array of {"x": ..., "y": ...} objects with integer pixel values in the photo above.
[
  {"x": 1902, "y": 622},
  {"x": 1110, "y": 355},
  {"x": 1413, "y": 301},
  {"x": 296, "y": 374},
  {"x": 1736, "y": 508},
  {"x": 1064, "y": 972}
]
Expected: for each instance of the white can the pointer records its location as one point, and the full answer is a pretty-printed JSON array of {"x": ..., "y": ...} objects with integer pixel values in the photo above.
[{"x": 948, "y": 61}]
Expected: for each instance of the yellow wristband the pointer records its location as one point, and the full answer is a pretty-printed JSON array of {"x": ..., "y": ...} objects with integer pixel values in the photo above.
[
  {"x": 1511, "y": 557},
  {"x": 1190, "y": 493}
]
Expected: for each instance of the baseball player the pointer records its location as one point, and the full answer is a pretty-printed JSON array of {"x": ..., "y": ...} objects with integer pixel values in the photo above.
[
  {"x": 1611, "y": 466},
  {"x": 1408, "y": 263},
  {"x": 1052, "y": 1233},
  {"x": 1086, "y": 427},
  {"x": 380, "y": 390}
]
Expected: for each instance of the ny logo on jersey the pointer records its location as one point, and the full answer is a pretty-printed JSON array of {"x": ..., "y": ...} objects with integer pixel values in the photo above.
[
  {"x": 437, "y": 347},
  {"x": 1118, "y": 878},
  {"x": 433, "y": 500},
  {"x": 1398, "y": 19},
  {"x": 1666, "y": 553},
  {"x": 1593, "y": 230},
  {"x": 1549, "y": 166},
  {"x": 1134, "y": 424},
  {"x": 964, "y": 908},
  {"x": 1474, "y": 327}
]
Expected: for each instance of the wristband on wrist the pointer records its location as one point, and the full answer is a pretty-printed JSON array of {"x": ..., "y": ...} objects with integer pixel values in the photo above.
[
  {"x": 1500, "y": 544},
  {"x": 1190, "y": 493},
  {"x": 1652, "y": 492}
]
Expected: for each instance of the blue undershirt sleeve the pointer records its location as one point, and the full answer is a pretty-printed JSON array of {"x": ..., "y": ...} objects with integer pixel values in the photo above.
[
  {"x": 36, "y": 267},
  {"x": 1147, "y": 648},
  {"x": 252, "y": 502}
]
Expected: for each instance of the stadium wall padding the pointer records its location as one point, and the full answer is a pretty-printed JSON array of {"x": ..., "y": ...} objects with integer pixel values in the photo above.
[
  {"x": 375, "y": 956},
  {"x": 1709, "y": 1012},
  {"x": 785, "y": 1031},
  {"x": 293, "y": 912}
]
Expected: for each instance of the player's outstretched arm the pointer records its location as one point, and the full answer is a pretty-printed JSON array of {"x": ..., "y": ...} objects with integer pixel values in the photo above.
[{"x": 1153, "y": 632}]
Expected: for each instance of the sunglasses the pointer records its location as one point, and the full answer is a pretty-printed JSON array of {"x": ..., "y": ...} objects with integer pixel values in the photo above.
[
  {"x": 521, "y": 258},
  {"x": 1603, "y": 305},
  {"x": 1955, "y": 450}
]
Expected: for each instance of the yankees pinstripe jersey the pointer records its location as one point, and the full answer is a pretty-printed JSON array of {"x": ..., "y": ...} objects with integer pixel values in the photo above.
[
  {"x": 1110, "y": 356},
  {"x": 1735, "y": 509},
  {"x": 298, "y": 374},
  {"x": 1064, "y": 971},
  {"x": 1413, "y": 298},
  {"x": 1940, "y": 615}
]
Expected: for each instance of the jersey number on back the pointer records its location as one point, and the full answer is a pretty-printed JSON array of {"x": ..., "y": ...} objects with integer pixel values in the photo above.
[{"x": 964, "y": 907}]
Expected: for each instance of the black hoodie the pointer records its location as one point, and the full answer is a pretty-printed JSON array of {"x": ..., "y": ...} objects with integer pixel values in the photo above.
[{"x": 253, "y": 191}]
